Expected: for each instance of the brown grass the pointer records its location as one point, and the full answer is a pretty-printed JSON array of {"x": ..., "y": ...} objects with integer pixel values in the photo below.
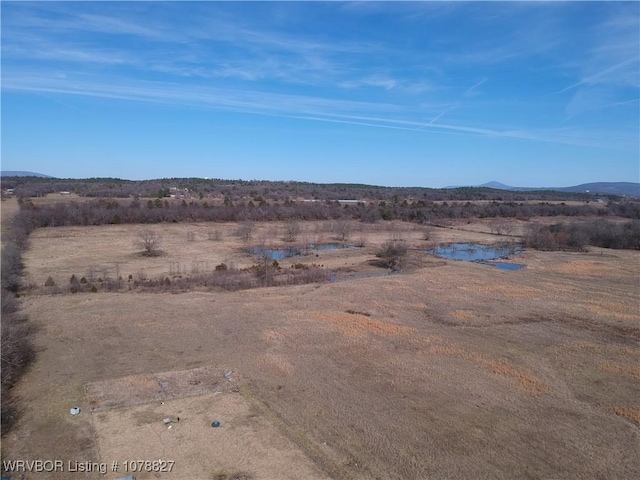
[
  {"x": 357, "y": 325},
  {"x": 631, "y": 370},
  {"x": 146, "y": 388},
  {"x": 463, "y": 314},
  {"x": 278, "y": 364},
  {"x": 522, "y": 379},
  {"x": 632, "y": 414},
  {"x": 586, "y": 267}
]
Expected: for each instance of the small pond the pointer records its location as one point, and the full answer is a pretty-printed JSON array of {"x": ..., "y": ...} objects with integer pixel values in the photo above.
[
  {"x": 280, "y": 253},
  {"x": 505, "y": 265},
  {"x": 476, "y": 252}
]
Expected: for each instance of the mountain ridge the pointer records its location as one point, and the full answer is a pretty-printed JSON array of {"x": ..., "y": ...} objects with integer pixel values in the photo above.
[
  {"x": 18, "y": 173},
  {"x": 602, "y": 188}
]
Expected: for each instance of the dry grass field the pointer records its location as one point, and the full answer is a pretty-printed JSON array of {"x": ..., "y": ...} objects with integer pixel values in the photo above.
[
  {"x": 448, "y": 370},
  {"x": 110, "y": 251}
]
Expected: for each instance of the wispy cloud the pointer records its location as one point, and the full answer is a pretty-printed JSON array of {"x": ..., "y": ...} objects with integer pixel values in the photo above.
[
  {"x": 215, "y": 44},
  {"x": 470, "y": 91},
  {"x": 379, "y": 115},
  {"x": 387, "y": 82},
  {"x": 608, "y": 75},
  {"x": 603, "y": 76}
]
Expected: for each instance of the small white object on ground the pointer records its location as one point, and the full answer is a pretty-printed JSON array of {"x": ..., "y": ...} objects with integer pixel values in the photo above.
[{"x": 74, "y": 411}]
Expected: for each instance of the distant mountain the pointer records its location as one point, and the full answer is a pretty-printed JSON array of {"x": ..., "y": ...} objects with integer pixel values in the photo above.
[
  {"x": 606, "y": 188},
  {"x": 12, "y": 173},
  {"x": 497, "y": 185},
  {"x": 602, "y": 188}
]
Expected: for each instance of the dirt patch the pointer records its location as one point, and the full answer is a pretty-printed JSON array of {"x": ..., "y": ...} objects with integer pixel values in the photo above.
[{"x": 245, "y": 445}]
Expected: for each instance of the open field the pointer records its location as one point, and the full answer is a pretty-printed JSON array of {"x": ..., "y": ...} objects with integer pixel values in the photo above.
[
  {"x": 110, "y": 250},
  {"x": 449, "y": 370}
]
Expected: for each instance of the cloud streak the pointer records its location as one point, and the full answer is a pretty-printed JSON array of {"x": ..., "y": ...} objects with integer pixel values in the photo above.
[
  {"x": 597, "y": 77},
  {"x": 378, "y": 115}
]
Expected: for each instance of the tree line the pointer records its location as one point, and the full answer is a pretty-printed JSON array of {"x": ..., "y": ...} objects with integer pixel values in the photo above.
[
  {"x": 257, "y": 190},
  {"x": 16, "y": 346},
  {"x": 112, "y": 211},
  {"x": 576, "y": 236}
]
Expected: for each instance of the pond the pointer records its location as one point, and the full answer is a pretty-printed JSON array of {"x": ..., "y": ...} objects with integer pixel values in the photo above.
[
  {"x": 476, "y": 252},
  {"x": 505, "y": 265},
  {"x": 280, "y": 253}
]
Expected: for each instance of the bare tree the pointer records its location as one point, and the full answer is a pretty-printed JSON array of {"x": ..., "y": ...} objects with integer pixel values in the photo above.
[
  {"x": 245, "y": 231},
  {"x": 214, "y": 235},
  {"x": 342, "y": 229},
  {"x": 150, "y": 241},
  {"x": 267, "y": 263},
  {"x": 291, "y": 230},
  {"x": 500, "y": 228}
]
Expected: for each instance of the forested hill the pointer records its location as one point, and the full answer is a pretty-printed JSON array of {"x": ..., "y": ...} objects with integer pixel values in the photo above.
[{"x": 259, "y": 190}]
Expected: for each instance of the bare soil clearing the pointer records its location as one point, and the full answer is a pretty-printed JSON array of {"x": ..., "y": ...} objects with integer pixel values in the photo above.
[
  {"x": 245, "y": 445},
  {"x": 454, "y": 370}
]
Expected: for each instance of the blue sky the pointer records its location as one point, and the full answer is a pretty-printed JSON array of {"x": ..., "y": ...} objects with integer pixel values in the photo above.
[{"x": 387, "y": 93}]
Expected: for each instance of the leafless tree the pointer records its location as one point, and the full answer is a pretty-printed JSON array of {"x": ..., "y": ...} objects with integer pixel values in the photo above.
[
  {"x": 342, "y": 229},
  {"x": 291, "y": 230},
  {"x": 500, "y": 228},
  {"x": 245, "y": 231},
  {"x": 266, "y": 262},
  {"x": 149, "y": 240},
  {"x": 214, "y": 235}
]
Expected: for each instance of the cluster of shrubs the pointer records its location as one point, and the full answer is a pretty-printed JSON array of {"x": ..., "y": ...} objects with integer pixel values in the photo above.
[
  {"x": 576, "y": 236},
  {"x": 223, "y": 278},
  {"x": 305, "y": 266},
  {"x": 393, "y": 254}
]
